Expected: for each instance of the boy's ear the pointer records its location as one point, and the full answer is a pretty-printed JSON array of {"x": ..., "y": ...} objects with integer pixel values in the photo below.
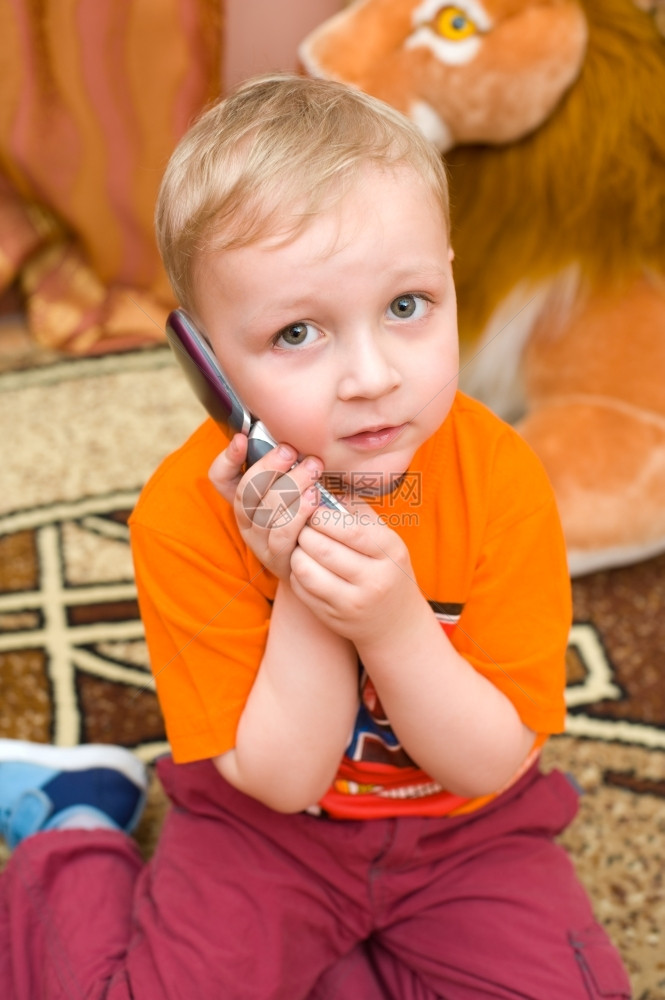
[{"x": 451, "y": 254}]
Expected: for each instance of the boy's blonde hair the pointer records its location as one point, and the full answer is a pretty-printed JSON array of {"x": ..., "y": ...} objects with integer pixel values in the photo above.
[{"x": 269, "y": 157}]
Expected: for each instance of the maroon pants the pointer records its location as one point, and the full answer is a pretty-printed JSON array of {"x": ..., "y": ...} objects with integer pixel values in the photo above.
[{"x": 240, "y": 902}]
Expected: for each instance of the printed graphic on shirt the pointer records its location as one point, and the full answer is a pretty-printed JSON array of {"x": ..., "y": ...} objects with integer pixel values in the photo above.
[{"x": 373, "y": 741}]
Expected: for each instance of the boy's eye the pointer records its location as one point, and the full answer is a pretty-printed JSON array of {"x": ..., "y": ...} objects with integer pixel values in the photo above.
[
  {"x": 407, "y": 306},
  {"x": 296, "y": 335}
]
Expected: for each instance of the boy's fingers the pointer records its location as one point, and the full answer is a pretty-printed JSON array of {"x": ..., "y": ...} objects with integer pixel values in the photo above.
[
  {"x": 356, "y": 513},
  {"x": 360, "y": 527},
  {"x": 273, "y": 491},
  {"x": 226, "y": 470},
  {"x": 326, "y": 552}
]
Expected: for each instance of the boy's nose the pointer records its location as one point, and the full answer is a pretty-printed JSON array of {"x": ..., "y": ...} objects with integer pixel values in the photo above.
[{"x": 369, "y": 373}]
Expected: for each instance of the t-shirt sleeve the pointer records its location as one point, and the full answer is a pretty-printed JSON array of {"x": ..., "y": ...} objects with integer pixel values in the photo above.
[
  {"x": 515, "y": 625},
  {"x": 205, "y": 604}
]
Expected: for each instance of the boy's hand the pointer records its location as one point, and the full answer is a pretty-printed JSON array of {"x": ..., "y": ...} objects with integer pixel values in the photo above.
[
  {"x": 355, "y": 575},
  {"x": 272, "y": 501}
]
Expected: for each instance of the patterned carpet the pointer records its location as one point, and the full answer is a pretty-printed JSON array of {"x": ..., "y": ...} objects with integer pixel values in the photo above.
[{"x": 79, "y": 437}]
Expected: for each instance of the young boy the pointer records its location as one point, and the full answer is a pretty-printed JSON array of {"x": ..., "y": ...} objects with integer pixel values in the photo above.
[{"x": 355, "y": 701}]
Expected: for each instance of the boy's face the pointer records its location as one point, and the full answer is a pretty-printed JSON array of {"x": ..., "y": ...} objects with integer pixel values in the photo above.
[{"x": 343, "y": 341}]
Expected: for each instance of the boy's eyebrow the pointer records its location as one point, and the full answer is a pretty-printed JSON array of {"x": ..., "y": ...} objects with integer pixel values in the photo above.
[
  {"x": 281, "y": 311},
  {"x": 283, "y": 307},
  {"x": 424, "y": 268}
]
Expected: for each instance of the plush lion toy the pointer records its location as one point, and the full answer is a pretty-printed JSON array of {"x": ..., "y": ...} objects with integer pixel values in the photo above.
[{"x": 552, "y": 116}]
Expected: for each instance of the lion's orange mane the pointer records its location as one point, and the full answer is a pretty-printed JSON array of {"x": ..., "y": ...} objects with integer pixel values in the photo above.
[{"x": 587, "y": 188}]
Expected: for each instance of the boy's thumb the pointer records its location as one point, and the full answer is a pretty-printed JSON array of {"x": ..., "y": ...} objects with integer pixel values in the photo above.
[{"x": 226, "y": 470}]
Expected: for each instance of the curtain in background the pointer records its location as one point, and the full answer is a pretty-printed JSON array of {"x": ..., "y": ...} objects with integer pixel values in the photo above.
[{"x": 94, "y": 96}]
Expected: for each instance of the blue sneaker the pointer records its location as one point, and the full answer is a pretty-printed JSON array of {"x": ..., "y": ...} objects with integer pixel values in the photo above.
[{"x": 42, "y": 787}]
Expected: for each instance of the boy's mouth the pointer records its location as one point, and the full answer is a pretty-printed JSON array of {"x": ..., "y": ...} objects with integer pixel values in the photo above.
[{"x": 374, "y": 437}]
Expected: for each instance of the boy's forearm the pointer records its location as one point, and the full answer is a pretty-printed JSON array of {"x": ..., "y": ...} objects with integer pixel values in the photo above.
[
  {"x": 453, "y": 722},
  {"x": 297, "y": 720}
]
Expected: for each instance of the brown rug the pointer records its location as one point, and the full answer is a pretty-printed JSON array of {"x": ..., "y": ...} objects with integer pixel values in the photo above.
[{"x": 79, "y": 437}]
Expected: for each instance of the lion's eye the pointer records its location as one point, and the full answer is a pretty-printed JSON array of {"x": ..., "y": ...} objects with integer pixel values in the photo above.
[{"x": 454, "y": 23}]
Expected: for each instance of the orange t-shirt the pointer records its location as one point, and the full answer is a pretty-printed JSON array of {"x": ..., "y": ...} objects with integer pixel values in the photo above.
[{"x": 478, "y": 516}]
